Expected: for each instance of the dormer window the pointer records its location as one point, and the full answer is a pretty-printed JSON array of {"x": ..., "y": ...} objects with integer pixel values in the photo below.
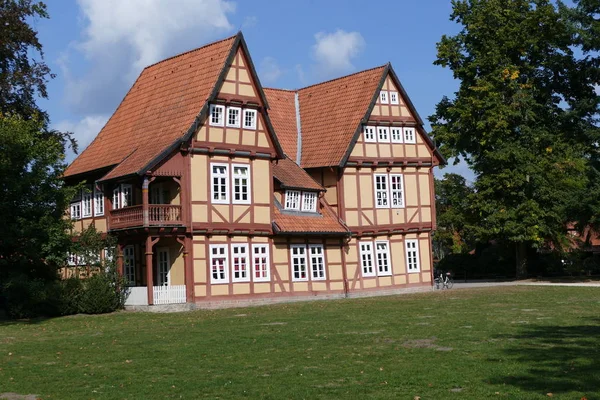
[
  {"x": 292, "y": 200},
  {"x": 217, "y": 114},
  {"x": 383, "y": 97},
  {"x": 309, "y": 201},
  {"x": 394, "y": 98},
  {"x": 233, "y": 117},
  {"x": 249, "y": 119},
  {"x": 301, "y": 201}
]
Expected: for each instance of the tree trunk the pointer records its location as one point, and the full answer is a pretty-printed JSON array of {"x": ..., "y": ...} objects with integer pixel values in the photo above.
[{"x": 521, "y": 259}]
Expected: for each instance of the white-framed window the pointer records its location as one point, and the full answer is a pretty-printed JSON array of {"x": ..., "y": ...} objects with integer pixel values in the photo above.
[
  {"x": 122, "y": 196},
  {"x": 292, "y": 200},
  {"x": 240, "y": 263},
  {"x": 220, "y": 183},
  {"x": 86, "y": 202},
  {"x": 383, "y": 134},
  {"x": 260, "y": 263},
  {"x": 317, "y": 262},
  {"x": 383, "y": 97},
  {"x": 75, "y": 210},
  {"x": 299, "y": 269},
  {"x": 217, "y": 115},
  {"x": 394, "y": 98},
  {"x": 397, "y": 190},
  {"x": 409, "y": 135},
  {"x": 309, "y": 201},
  {"x": 98, "y": 201},
  {"x": 163, "y": 264},
  {"x": 116, "y": 199},
  {"x": 250, "y": 118},
  {"x": 369, "y": 134},
  {"x": 412, "y": 255},
  {"x": 397, "y": 135},
  {"x": 129, "y": 264},
  {"x": 73, "y": 260},
  {"x": 241, "y": 184},
  {"x": 233, "y": 117},
  {"x": 389, "y": 190},
  {"x": 366, "y": 258},
  {"x": 218, "y": 263},
  {"x": 381, "y": 190},
  {"x": 382, "y": 255}
]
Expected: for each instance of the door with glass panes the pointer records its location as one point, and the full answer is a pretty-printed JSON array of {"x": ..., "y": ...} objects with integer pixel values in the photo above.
[{"x": 163, "y": 266}]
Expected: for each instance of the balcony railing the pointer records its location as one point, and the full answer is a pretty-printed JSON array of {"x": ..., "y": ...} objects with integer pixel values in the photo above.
[{"x": 158, "y": 215}]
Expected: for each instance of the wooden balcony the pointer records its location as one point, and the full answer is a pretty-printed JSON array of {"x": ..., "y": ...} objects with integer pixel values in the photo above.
[{"x": 158, "y": 215}]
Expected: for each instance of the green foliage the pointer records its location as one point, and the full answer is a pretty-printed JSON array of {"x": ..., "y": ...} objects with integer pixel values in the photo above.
[
  {"x": 522, "y": 117},
  {"x": 26, "y": 297},
  {"x": 22, "y": 78},
  {"x": 32, "y": 224},
  {"x": 454, "y": 216}
]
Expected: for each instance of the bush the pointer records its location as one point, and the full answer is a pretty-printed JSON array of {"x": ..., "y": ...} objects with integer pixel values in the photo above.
[
  {"x": 28, "y": 298},
  {"x": 73, "y": 291},
  {"x": 99, "y": 295}
]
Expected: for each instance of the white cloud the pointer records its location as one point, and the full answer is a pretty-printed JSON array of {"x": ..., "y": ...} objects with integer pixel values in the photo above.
[
  {"x": 269, "y": 70},
  {"x": 120, "y": 38},
  {"x": 83, "y": 130},
  {"x": 333, "y": 52}
]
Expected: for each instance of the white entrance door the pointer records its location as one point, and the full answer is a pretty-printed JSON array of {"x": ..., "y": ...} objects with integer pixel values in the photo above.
[
  {"x": 129, "y": 264},
  {"x": 164, "y": 266}
]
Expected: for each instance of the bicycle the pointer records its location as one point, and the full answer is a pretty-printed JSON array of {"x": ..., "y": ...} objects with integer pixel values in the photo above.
[{"x": 444, "y": 281}]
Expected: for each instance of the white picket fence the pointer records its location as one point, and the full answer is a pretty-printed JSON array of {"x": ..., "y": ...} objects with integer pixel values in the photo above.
[
  {"x": 138, "y": 295},
  {"x": 169, "y": 294}
]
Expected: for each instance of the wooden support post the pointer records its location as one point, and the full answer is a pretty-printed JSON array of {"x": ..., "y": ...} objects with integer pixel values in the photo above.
[
  {"x": 145, "y": 201},
  {"x": 120, "y": 259},
  {"x": 149, "y": 268},
  {"x": 187, "y": 265}
]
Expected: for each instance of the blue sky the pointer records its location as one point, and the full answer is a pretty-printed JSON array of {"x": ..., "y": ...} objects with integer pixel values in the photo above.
[{"x": 98, "y": 47}]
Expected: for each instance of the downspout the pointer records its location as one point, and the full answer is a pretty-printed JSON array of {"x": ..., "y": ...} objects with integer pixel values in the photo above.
[{"x": 299, "y": 129}]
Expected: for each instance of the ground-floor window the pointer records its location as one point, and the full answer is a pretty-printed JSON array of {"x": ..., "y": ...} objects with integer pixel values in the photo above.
[
  {"x": 164, "y": 267},
  {"x": 412, "y": 255},
  {"x": 240, "y": 266},
  {"x": 218, "y": 263},
  {"x": 129, "y": 264},
  {"x": 375, "y": 258},
  {"x": 260, "y": 262},
  {"x": 304, "y": 257}
]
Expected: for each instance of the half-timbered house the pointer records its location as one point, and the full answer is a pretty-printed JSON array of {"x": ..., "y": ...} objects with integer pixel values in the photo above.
[{"x": 221, "y": 191}]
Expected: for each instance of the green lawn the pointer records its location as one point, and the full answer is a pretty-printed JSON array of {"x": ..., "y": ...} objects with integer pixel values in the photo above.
[{"x": 504, "y": 342}]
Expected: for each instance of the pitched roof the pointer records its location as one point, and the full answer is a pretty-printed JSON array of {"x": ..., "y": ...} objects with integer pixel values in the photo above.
[
  {"x": 331, "y": 112},
  {"x": 283, "y": 117},
  {"x": 313, "y": 223},
  {"x": 291, "y": 176},
  {"x": 159, "y": 109}
]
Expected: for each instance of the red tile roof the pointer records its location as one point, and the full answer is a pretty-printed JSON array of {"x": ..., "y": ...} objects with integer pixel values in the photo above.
[
  {"x": 283, "y": 117},
  {"x": 330, "y": 114},
  {"x": 327, "y": 222},
  {"x": 158, "y": 110},
  {"x": 292, "y": 176}
]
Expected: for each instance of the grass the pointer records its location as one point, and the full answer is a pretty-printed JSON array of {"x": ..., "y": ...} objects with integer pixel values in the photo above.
[{"x": 504, "y": 342}]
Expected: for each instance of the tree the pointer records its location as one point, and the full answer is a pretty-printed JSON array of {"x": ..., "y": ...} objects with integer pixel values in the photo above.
[
  {"x": 454, "y": 216},
  {"x": 33, "y": 228},
  {"x": 521, "y": 118},
  {"x": 21, "y": 76}
]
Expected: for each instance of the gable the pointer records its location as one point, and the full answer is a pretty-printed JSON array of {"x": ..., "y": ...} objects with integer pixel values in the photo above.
[
  {"x": 239, "y": 94},
  {"x": 385, "y": 106},
  {"x": 402, "y": 134}
]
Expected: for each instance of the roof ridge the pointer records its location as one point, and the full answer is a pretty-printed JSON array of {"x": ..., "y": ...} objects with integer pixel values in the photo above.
[
  {"x": 345, "y": 76},
  {"x": 191, "y": 51},
  {"x": 281, "y": 90}
]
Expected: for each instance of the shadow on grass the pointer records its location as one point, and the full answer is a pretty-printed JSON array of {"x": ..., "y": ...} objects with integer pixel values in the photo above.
[{"x": 560, "y": 359}]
